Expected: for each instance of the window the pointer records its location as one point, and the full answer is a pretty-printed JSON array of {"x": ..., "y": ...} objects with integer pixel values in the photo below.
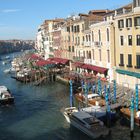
[
  {"x": 89, "y": 54},
  {"x": 92, "y": 36},
  {"x": 86, "y": 38},
  {"x": 93, "y": 54},
  {"x": 100, "y": 56},
  {"x": 99, "y": 35},
  {"x": 137, "y": 61},
  {"x": 83, "y": 39},
  {"x": 121, "y": 23},
  {"x": 129, "y": 22},
  {"x": 72, "y": 29},
  {"x": 69, "y": 48},
  {"x": 138, "y": 40},
  {"x": 121, "y": 40},
  {"x": 72, "y": 48},
  {"x": 68, "y": 38},
  {"x": 78, "y": 28},
  {"x": 68, "y": 29},
  {"x": 129, "y": 60},
  {"x": 121, "y": 60},
  {"x": 137, "y": 21},
  {"x": 72, "y": 38},
  {"x": 89, "y": 37},
  {"x": 78, "y": 40},
  {"x": 108, "y": 56},
  {"x": 84, "y": 54},
  {"x": 130, "y": 40},
  {"x": 136, "y": 3},
  {"x": 82, "y": 27},
  {"x": 107, "y": 34}
]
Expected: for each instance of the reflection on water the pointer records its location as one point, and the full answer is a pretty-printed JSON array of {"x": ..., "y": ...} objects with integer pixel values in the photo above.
[{"x": 36, "y": 114}]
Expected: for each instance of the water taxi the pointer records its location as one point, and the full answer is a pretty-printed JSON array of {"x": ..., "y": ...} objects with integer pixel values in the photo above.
[
  {"x": 86, "y": 123},
  {"x": 5, "y": 96}
]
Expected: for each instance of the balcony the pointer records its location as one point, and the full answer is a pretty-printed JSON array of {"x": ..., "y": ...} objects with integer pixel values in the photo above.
[
  {"x": 88, "y": 61},
  {"x": 137, "y": 67},
  {"x": 80, "y": 59},
  {"x": 129, "y": 66},
  {"x": 51, "y": 49},
  {"x": 87, "y": 44},
  {"x": 121, "y": 65},
  {"x": 98, "y": 44}
]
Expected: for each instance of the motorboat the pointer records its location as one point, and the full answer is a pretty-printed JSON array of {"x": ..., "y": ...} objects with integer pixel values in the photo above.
[
  {"x": 5, "y": 96},
  {"x": 86, "y": 123},
  {"x": 99, "y": 112}
]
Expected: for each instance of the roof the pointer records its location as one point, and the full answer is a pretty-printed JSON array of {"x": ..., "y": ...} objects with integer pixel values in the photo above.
[
  {"x": 81, "y": 115},
  {"x": 98, "y": 11},
  {"x": 3, "y": 88},
  {"x": 95, "y": 18}
]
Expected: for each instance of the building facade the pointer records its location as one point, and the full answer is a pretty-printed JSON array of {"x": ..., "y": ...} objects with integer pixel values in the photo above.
[{"x": 127, "y": 38}]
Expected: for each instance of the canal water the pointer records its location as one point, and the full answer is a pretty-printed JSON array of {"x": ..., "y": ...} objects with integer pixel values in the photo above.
[{"x": 37, "y": 114}]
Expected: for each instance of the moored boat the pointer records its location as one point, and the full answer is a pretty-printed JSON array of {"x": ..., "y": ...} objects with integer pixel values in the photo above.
[
  {"x": 5, "y": 96},
  {"x": 86, "y": 123},
  {"x": 100, "y": 113},
  {"x": 126, "y": 112}
]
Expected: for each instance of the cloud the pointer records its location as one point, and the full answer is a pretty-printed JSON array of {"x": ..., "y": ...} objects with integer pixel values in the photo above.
[{"x": 10, "y": 10}]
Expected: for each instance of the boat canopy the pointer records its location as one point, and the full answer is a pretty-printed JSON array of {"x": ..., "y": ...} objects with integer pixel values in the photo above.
[
  {"x": 81, "y": 115},
  {"x": 3, "y": 89}
]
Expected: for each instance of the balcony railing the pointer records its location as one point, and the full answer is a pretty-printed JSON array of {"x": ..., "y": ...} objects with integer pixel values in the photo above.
[
  {"x": 87, "y": 44},
  {"x": 98, "y": 44},
  {"x": 80, "y": 59}
]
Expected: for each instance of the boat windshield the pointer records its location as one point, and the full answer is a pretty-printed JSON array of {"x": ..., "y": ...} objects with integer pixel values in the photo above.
[{"x": 91, "y": 121}]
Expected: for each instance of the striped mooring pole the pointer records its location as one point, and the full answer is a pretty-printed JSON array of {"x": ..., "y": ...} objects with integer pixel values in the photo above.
[
  {"x": 99, "y": 87},
  {"x": 86, "y": 93},
  {"x": 114, "y": 85},
  {"x": 71, "y": 94},
  {"x": 132, "y": 117},
  {"x": 137, "y": 97}
]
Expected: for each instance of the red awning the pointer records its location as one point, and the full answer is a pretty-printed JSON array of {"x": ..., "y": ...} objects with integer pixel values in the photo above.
[
  {"x": 35, "y": 57},
  {"x": 78, "y": 64},
  {"x": 58, "y": 60},
  {"x": 43, "y": 63},
  {"x": 94, "y": 68}
]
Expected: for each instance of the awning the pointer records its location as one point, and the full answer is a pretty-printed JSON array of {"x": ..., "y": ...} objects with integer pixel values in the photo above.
[
  {"x": 94, "y": 68},
  {"x": 78, "y": 64},
  {"x": 58, "y": 60},
  {"x": 129, "y": 73},
  {"x": 43, "y": 63},
  {"x": 34, "y": 57}
]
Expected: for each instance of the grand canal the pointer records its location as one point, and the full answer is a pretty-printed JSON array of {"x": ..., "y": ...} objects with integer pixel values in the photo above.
[{"x": 37, "y": 114}]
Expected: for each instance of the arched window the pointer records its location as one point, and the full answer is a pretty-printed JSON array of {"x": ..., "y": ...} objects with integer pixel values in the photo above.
[
  {"x": 89, "y": 37},
  {"x": 86, "y": 38},
  {"x": 107, "y": 34}
]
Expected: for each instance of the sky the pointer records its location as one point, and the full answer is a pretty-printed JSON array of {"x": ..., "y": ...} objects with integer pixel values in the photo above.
[{"x": 19, "y": 19}]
